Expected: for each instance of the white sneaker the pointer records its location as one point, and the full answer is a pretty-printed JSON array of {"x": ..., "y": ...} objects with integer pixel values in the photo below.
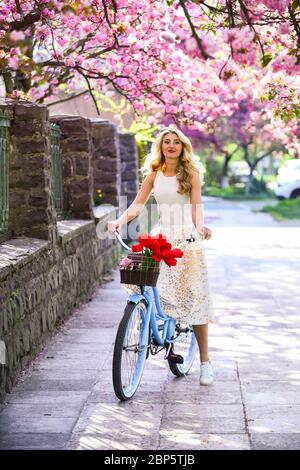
[{"x": 206, "y": 373}]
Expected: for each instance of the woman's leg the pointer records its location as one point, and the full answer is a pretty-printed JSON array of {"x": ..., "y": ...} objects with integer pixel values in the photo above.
[
  {"x": 201, "y": 333},
  {"x": 206, "y": 370}
]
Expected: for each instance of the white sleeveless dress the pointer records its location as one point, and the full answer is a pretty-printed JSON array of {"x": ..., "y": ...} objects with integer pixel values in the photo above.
[{"x": 184, "y": 288}]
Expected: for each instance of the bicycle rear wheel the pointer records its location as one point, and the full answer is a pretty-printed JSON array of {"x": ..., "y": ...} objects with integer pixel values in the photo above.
[
  {"x": 185, "y": 346},
  {"x": 130, "y": 350}
]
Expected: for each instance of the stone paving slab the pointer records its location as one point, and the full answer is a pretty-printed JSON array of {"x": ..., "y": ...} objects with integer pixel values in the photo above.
[
  {"x": 190, "y": 441},
  {"x": 113, "y": 440},
  {"x": 129, "y": 425},
  {"x": 141, "y": 397},
  {"x": 220, "y": 392},
  {"x": 274, "y": 418},
  {"x": 78, "y": 336},
  {"x": 60, "y": 374},
  {"x": 205, "y": 418},
  {"x": 75, "y": 348},
  {"x": 190, "y": 423},
  {"x": 55, "y": 409},
  {"x": 33, "y": 441},
  {"x": 44, "y": 397},
  {"x": 170, "y": 442},
  {"x": 268, "y": 370},
  {"x": 39, "y": 383},
  {"x": 278, "y": 393},
  {"x": 273, "y": 441},
  {"x": 80, "y": 361},
  {"x": 104, "y": 386},
  {"x": 37, "y": 425}
]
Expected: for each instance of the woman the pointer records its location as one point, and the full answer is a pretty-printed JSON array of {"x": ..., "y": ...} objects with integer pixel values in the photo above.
[{"x": 173, "y": 176}]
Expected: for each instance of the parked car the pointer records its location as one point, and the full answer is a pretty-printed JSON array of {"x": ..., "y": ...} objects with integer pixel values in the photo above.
[{"x": 288, "y": 180}]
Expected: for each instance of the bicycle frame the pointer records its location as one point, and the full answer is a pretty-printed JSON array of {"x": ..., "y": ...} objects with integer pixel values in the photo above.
[
  {"x": 149, "y": 329},
  {"x": 152, "y": 316}
]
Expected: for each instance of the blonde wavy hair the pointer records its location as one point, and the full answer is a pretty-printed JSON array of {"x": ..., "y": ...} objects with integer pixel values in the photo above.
[{"x": 187, "y": 164}]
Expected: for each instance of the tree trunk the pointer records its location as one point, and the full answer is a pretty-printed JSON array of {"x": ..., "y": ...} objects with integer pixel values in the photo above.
[
  {"x": 224, "y": 177},
  {"x": 8, "y": 82},
  {"x": 252, "y": 166},
  {"x": 249, "y": 186}
]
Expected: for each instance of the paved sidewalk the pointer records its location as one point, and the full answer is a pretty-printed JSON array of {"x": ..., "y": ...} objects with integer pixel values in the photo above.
[{"x": 66, "y": 401}]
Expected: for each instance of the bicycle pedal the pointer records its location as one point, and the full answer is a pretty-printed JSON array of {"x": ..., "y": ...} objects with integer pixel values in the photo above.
[{"x": 176, "y": 358}]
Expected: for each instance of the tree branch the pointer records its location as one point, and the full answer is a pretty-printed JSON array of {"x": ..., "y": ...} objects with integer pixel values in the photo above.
[
  {"x": 28, "y": 20},
  {"x": 106, "y": 14},
  {"x": 250, "y": 24},
  {"x": 8, "y": 82},
  {"x": 63, "y": 100},
  {"x": 230, "y": 13},
  {"x": 194, "y": 32},
  {"x": 295, "y": 24},
  {"x": 211, "y": 8},
  {"x": 90, "y": 90},
  {"x": 18, "y": 6}
]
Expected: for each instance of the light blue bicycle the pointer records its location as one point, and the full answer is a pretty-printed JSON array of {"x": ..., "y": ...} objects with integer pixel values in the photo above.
[{"x": 145, "y": 329}]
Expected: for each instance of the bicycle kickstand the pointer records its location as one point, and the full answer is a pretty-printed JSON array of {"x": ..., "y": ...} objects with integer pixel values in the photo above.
[
  {"x": 168, "y": 351},
  {"x": 176, "y": 358}
]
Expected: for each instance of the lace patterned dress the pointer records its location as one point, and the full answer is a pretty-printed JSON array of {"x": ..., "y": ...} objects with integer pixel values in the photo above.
[{"x": 184, "y": 288}]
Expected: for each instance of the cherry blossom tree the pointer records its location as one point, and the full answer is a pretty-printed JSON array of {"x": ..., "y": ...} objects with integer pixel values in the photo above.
[
  {"x": 192, "y": 59},
  {"x": 248, "y": 133},
  {"x": 262, "y": 35}
]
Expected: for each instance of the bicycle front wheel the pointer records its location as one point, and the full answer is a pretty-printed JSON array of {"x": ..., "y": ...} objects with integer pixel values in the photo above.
[
  {"x": 185, "y": 345},
  {"x": 130, "y": 350}
]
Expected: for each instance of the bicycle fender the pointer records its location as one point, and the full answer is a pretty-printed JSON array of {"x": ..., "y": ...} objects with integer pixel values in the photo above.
[{"x": 136, "y": 298}]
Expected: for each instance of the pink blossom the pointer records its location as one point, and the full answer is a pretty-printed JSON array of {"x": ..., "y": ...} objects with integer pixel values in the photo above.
[
  {"x": 62, "y": 41},
  {"x": 280, "y": 5},
  {"x": 285, "y": 62},
  {"x": 13, "y": 62},
  {"x": 16, "y": 94},
  {"x": 191, "y": 44},
  {"x": 126, "y": 262},
  {"x": 284, "y": 28},
  {"x": 17, "y": 36},
  {"x": 70, "y": 62}
]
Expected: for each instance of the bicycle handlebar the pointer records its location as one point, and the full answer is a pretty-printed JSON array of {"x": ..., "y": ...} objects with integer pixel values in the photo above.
[
  {"x": 116, "y": 233},
  {"x": 121, "y": 241}
]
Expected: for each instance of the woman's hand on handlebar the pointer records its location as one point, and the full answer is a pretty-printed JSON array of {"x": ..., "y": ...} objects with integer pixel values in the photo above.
[{"x": 113, "y": 225}]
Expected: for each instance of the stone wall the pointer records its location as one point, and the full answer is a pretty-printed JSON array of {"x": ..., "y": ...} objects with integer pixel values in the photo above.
[
  {"x": 76, "y": 151},
  {"x": 31, "y": 208},
  {"x": 106, "y": 162},
  {"x": 129, "y": 166},
  {"x": 40, "y": 287},
  {"x": 49, "y": 267}
]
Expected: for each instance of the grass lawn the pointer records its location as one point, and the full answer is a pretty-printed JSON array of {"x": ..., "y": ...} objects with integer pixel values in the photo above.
[
  {"x": 236, "y": 194},
  {"x": 286, "y": 209}
]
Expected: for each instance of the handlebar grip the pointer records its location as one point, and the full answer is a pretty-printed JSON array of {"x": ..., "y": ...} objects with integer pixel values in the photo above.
[{"x": 116, "y": 233}]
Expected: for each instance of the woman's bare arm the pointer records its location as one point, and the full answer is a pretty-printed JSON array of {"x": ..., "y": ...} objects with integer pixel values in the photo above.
[
  {"x": 197, "y": 207},
  {"x": 196, "y": 202},
  {"x": 137, "y": 205}
]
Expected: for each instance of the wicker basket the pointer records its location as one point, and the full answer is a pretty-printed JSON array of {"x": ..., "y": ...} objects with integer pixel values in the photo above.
[{"x": 140, "y": 277}]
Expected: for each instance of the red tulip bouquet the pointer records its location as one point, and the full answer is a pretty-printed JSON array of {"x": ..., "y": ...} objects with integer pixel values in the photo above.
[{"x": 142, "y": 266}]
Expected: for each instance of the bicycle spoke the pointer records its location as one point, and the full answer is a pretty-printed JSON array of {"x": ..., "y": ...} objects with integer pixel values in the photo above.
[
  {"x": 131, "y": 348},
  {"x": 185, "y": 346}
]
